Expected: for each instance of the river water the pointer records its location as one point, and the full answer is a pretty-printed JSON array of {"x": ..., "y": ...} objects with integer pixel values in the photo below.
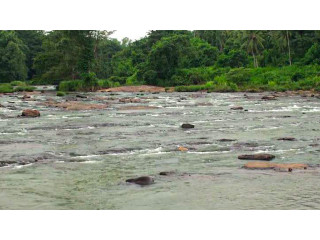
[{"x": 84, "y": 157}]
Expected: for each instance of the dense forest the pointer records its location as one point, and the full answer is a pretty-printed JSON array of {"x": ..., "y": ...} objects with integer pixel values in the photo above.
[{"x": 186, "y": 60}]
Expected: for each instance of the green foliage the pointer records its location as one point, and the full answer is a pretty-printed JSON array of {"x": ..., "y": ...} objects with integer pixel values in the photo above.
[
  {"x": 313, "y": 55},
  {"x": 18, "y": 83},
  {"x": 238, "y": 76},
  {"x": 24, "y": 89},
  {"x": 6, "y": 88},
  {"x": 234, "y": 59},
  {"x": 61, "y": 94},
  {"x": 12, "y": 57}
]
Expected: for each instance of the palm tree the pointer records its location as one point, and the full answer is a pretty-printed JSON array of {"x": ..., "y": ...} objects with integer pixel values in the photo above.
[
  {"x": 253, "y": 42},
  {"x": 283, "y": 41}
]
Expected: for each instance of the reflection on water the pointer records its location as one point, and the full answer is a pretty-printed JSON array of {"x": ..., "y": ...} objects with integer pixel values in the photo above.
[{"x": 81, "y": 159}]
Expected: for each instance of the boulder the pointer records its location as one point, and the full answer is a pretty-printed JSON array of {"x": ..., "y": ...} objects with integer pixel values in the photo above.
[
  {"x": 260, "y": 156},
  {"x": 237, "y": 108},
  {"x": 182, "y": 149},
  {"x": 144, "y": 180},
  {"x": 187, "y": 125},
  {"x": 287, "y": 139},
  {"x": 30, "y": 113}
]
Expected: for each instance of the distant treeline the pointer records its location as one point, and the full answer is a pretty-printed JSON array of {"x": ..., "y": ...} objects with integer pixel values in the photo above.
[{"x": 163, "y": 58}]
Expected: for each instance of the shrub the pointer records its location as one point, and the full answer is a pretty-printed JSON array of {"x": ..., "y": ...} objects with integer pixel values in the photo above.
[
  {"x": 18, "y": 83},
  {"x": 61, "y": 94},
  {"x": 238, "y": 76},
  {"x": 6, "y": 88},
  {"x": 26, "y": 89}
]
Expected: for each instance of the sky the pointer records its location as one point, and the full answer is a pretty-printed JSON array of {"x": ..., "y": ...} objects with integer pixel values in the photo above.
[{"x": 133, "y": 34}]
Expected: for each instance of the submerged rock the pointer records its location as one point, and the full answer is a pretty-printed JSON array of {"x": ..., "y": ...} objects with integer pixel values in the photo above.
[
  {"x": 81, "y": 96},
  {"x": 167, "y": 173},
  {"x": 226, "y": 140},
  {"x": 30, "y": 113},
  {"x": 269, "y": 97},
  {"x": 260, "y": 156},
  {"x": 182, "y": 149},
  {"x": 187, "y": 125},
  {"x": 288, "y": 167},
  {"x": 144, "y": 180},
  {"x": 287, "y": 139},
  {"x": 237, "y": 108}
]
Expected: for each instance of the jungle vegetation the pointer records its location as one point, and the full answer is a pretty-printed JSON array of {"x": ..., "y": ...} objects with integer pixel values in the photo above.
[{"x": 212, "y": 60}]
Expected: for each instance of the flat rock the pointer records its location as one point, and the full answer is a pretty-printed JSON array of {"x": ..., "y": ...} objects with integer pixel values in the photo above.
[
  {"x": 237, "y": 108},
  {"x": 144, "y": 180},
  {"x": 276, "y": 166},
  {"x": 260, "y": 156},
  {"x": 287, "y": 139},
  {"x": 187, "y": 125},
  {"x": 270, "y": 97},
  {"x": 226, "y": 140}
]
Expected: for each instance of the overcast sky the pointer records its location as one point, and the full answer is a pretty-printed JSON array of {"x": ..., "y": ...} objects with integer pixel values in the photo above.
[{"x": 133, "y": 34}]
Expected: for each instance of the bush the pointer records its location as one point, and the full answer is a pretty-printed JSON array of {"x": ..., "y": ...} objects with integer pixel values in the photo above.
[
  {"x": 25, "y": 89},
  {"x": 71, "y": 86},
  {"x": 105, "y": 83},
  {"x": 121, "y": 80},
  {"x": 239, "y": 76},
  {"x": 6, "y": 88},
  {"x": 18, "y": 83},
  {"x": 61, "y": 94}
]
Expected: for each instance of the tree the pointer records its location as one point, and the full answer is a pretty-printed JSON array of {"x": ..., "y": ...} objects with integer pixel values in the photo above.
[
  {"x": 12, "y": 57},
  {"x": 253, "y": 42},
  {"x": 282, "y": 39},
  {"x": 33, "y": 41}
]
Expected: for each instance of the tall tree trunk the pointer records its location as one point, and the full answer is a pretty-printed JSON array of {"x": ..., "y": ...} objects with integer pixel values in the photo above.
[
  {"x": 288, "y": 41},
  {"x": 254, "y": 59}
]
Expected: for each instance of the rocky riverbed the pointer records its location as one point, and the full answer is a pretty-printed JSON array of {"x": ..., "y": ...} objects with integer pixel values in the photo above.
[{"x": 78, "y": 152}]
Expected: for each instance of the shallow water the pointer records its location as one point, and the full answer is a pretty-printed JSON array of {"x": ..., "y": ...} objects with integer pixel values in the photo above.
[{"x": 84, "y": 157}]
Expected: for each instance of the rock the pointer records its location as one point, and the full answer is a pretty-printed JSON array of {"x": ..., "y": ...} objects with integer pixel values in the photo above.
[
  {"x": 138, "y": 108},
  {"x": 1, "y": 105},
  {"x": 74, "y": 105},
  {"x": 167, "y": 173},
  {"x": 260, "y": 156},
  {"x": 276, "y": 166},
  {"x": 269, "y": 98},
  {"x": 226, "y": 140},
  {"x": 145, "y": 180},
  {"x": 26, "y": 96},
  {"x": 287, "y": 139},
  {"x": 182, "y": 149},
  {"x": 81, "y": 96},
  {"x": 187, "y": 125},
  {"x": 30, "y": 113},
  {"x": 237, "y": 108}
]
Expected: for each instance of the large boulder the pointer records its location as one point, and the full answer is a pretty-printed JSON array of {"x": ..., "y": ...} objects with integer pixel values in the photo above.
[
  {"x": 144, "y": 180},
  {"x": 187, "y": 125},
  {"x": 30, "y": 113},
  {"x": 260, "y": 156}
]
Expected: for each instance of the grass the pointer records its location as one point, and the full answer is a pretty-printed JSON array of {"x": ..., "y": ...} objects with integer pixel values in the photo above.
[{"x": 15, "y": 86}]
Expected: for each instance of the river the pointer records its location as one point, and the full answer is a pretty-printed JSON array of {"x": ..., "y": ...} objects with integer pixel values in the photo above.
[{"x": 80, "y": 159}]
